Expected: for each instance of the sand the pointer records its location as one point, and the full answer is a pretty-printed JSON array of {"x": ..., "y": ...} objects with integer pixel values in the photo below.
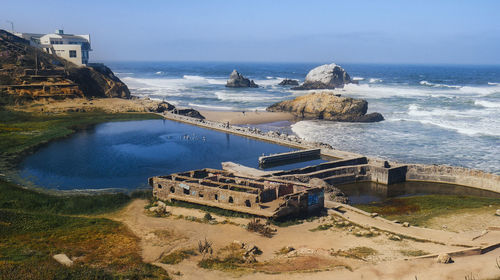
[
  {"x": 386, "y": 264},
  {"x": 119, "y": 105},
  {"x": 240, "y": 118}
]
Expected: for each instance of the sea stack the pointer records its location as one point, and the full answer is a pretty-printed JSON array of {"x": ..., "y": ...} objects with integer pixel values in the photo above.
[
  {"x": 327, "y": 76},
  {"x": 236, "y": 80},
  {"x": 325, "y": 105}
]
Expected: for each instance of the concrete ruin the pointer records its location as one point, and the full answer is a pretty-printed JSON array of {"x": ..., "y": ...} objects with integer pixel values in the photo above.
[{"x": 265, "y": 197}]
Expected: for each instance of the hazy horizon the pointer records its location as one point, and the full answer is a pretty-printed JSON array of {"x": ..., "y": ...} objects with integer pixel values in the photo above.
[{"x": 366, "y": 32}]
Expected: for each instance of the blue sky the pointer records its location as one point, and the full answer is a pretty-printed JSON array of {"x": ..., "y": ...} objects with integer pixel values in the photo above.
[{"x": 441, "y": 32}]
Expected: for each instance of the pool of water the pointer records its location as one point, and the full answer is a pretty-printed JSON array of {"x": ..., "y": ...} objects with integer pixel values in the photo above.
[
  {"x": 366, "y": 192},
  {"x": 125, "y": 154}
]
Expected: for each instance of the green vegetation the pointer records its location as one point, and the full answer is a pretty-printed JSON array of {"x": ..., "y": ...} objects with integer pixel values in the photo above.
[
  {"x": 360, "y": 253},
  {"x": 177, "y": 256},
  {"x": 417, "y": 210},
  {"x": 34, "y": 226},
  {"x": 22, "y": 132},
  {"x": 213, "y": 210},
  {"x": 413, "y": 253},
  {"x": 322, "y": 227},
  {"x": 229, "y": 258}
]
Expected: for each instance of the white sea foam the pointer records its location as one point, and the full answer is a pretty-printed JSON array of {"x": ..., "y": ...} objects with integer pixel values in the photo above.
[
  {"x": 375, "y": 80},
  {"x": 429, "y": 84},
  {"x": 487, "y": 104},
  {"x": 493, "y": 84},
  {"x": 358, "y": 78},
  {"x": 159, "y": 72},
  {"x": 239, "y": 96},
  {"x": 212, "y": 107}
]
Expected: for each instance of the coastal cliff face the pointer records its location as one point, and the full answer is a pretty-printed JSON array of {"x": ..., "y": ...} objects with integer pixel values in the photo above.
[
  {"x": 328, "y": 76},
  {"x": 27, "y": 73},
  {"x": 327, "y": 106}
]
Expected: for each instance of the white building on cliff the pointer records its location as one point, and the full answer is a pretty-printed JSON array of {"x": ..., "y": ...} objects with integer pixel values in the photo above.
[{"x": 74, "y": 48}]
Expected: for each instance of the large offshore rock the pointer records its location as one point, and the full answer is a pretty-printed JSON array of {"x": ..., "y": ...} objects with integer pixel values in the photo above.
[
  {"x": 236, "y": 80},
  {"x": 324, "y": 105},
  {"x": 327, "y": 76},
  {"x": 289, "y": 82}
]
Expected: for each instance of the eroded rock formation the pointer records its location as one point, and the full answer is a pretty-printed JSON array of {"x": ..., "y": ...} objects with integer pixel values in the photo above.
[
  {"x": 327, "y": 76},
  {"x": 326, "y": 106},
  {"x": 236, "y": 80},
  {"x": 289, "y": 82}
]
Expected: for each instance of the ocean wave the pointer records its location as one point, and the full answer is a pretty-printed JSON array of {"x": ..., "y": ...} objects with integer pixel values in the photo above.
[
  {"x": 246, "y": 96},
  {"x": 358, "y": 78},
  {"x": 487, "y": 104},
  {"x": 375, "y": 80},
  {"x": 469, "y": 122},
  {"x": 212, "y": 107},
  {"x": 159, "y": 72},
  {"x": 493, "y": 84},
  {"x": 429, "y": 84}
]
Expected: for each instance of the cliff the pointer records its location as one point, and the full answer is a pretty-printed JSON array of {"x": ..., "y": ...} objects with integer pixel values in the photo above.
[
  {"x": 27, "y": 73},
  {"x": 327, "y": 106}
]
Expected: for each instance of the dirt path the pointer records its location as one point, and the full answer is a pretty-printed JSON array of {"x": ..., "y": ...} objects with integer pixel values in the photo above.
[{"x": 163, "y": 235}]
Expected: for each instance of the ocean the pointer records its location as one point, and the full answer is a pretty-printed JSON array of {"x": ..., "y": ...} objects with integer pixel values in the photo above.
[{"x": 434, "y": 114}]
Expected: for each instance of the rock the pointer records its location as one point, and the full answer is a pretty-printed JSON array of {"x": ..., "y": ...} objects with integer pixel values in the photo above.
[
  {"x": 190, "y": 113},
  {"x": 63, "y": 259},
  {"x": 161, "y": 203},
  {"x": 324, "y": 105},
  {"x": 497, "y": 212},
  {"x": 406, "y": 224},
  {"x": 444, "y": 258},
  {"x": 373, "y": 215},
  {"x": 236, "y": 80},
  {"x": 327, "y": 76},
  {"x": 289, "y": 82},
  {"x": 164, "y": 106}
]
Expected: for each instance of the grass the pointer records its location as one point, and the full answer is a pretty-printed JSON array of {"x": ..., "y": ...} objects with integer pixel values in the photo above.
[
  {"x": 413, "y": 253},
  {"x": 35, "y": 225},
  {"x": 418, "y": 210},
  {"x": 322, "y": 227},
  {"x": 360, "y": 253},
  {"x": 177, "y": 256},
  {"x": 22, "y": 132}
]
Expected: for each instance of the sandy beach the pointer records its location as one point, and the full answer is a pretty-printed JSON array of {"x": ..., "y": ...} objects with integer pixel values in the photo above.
[
  {"x": 119, "y": 105},
  {"x": 253, "y": 117}
]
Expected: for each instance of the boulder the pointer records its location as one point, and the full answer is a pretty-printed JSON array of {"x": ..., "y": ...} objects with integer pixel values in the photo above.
[
  {"x": 497, "y": 212},
  {"x": 236, "y": 80},
  {"x": 164, "y": 106},
  {"x": 289, "y": 82},
  {"x": 63, "y": 259},
  {"x": 324, "y": 105},
  {"x": 190, "y": 113},
  {"x": 327, "y": 76},
  {"x": 444, "y": 258}
]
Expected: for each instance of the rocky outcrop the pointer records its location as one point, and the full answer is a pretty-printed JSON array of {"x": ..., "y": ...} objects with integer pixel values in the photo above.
[
  {"x": 289, "y": 82},
  {"x": 98, "y": 81},
  {"x": 236, "y": 80},
  {"x": 190, "y": 113},
  {"x": 27, "y": 73},
  {"x": 327, "y": 106},
  {"x": 164, "y": 107},
  {"x": 327, "y": 76}
]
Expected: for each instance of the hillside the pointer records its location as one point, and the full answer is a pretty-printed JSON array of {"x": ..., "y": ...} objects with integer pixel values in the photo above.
[{"x": 27, "y": 73}]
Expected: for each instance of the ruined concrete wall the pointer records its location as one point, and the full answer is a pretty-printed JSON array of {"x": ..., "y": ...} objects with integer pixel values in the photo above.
[
  {"x": 323, "y": 166},
  {"x": 166, "y": 190},
  {"x": 454, "y": 175},
  {"x": 387, "y": 176}
]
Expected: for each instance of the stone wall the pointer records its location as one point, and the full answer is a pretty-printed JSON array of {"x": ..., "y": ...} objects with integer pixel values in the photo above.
[{"x": 454, "y": 175}]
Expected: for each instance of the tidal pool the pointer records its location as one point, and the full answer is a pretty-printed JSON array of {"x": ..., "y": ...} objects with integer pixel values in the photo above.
[{"x": 124, "y": 154}]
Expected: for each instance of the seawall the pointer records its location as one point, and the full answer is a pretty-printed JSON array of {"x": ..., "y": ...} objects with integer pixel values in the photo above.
[{"x": 380, "y": 172}]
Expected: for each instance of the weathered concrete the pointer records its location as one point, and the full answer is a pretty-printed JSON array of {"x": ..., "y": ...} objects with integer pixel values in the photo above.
[
  {"x": 276, "y": 158},
  {"x": 253, "y": 195},
  {"x": 414, "y": 172}
]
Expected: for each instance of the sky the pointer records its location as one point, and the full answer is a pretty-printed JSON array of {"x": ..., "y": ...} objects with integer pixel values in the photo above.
[{"x": 371, "y": 31}]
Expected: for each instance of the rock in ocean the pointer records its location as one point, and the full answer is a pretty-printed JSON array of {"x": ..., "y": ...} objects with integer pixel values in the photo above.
[
  {"x": 236, "y": 80},
  {"x": 327, "y": 76},
  {"x": 324, "y": 105},
  {"x": 289, "y": 82}
]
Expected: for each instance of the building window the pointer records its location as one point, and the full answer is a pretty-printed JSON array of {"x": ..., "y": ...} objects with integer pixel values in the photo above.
[
  {"x": 172, "y": 189},
  {"x": 186, "y": 191},
  {"x": 247, "y": 203},
  {"x": 72, "y": 53},
  {"x": 159, "y": 186},
  {"x": 216, "y": 197},
  {"x": 231, "y": 199}
]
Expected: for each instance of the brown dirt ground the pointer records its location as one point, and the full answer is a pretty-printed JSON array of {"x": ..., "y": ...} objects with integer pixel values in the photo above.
[{"x": 163, "y": 235}]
